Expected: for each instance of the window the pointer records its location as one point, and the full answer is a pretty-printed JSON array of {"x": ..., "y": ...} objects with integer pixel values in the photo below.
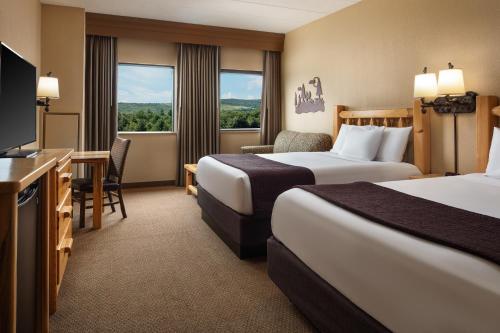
[
  {"x": 145, "y": 98},
  {"x": 240, "y": 99}
]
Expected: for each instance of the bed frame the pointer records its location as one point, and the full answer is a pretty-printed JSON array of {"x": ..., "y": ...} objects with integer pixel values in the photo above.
[
  {"x": 247, "y": 235},
  {"x": 320, "y": 302},
  {"x": 418, "y": 151}
]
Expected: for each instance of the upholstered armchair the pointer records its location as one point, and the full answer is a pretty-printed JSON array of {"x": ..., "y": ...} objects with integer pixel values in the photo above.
[{"x": 291, "y": 141}]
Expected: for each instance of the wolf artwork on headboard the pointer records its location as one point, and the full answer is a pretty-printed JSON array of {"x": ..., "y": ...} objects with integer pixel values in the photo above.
[{"x": 304, "y": 103}]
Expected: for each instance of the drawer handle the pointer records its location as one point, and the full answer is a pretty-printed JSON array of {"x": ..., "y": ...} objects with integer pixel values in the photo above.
[
  {"x": 66, "y": 245},
  {"x": 66, "y": 176},
  {"x": 66, "y": 211}
]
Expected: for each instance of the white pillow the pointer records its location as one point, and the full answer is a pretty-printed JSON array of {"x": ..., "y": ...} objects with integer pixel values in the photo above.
[
  {"x": 393, "y": 145},
  {"x": 362, "y": 142},
  {"x": 493, "y": 168},
  {"x": 339, "y": 141}
]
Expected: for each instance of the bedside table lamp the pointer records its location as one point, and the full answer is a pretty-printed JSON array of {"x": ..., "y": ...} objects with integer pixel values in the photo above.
[
  {"x": 452, "y": 98},
  {"x": 48, "y": 88}
]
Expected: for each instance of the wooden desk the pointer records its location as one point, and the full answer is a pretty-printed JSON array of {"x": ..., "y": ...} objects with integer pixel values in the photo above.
[
  {"x": 98, "y": 160},
  {"x": 191, "y": 170}
]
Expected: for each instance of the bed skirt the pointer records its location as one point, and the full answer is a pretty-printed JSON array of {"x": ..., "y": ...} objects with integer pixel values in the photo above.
[
  {"x": 245, "y": 235},
  {"x": 321, "y": 303}
]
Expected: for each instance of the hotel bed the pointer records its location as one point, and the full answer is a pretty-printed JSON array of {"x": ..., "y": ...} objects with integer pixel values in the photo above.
[
  {"x": 348, "y": 273},
  {"x": 225, "y": 192},
  {"x": 231, "y": 186}
]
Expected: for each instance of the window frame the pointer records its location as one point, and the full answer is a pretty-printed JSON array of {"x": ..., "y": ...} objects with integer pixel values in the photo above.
[
  {"x": 174, "y": 118},
  {"x": 238, "y": 71}
]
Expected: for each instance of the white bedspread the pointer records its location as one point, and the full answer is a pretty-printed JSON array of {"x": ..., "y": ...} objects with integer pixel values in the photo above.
[
  {"x": 406, "y": 283},
  {"x": 231, "y": 186}
]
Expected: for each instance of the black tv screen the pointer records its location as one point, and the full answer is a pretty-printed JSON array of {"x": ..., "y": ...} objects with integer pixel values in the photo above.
[{"x": 17, "y": 100}]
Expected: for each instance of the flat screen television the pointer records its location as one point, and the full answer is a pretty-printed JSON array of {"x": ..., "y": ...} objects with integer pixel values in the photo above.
[{"x": 17, "y": 100}]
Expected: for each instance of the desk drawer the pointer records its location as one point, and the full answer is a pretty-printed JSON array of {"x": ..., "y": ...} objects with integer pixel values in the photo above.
[{"x": 64, "y": 176}]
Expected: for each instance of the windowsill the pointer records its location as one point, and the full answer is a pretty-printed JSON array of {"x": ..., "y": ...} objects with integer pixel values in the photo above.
[
  {"x": 147, "y": 133},
  {"x": 235, "y": 130},
  {"x": 253, "y": 130}
]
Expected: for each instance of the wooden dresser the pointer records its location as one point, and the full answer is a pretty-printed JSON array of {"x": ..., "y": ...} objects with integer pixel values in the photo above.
[
  {"x": 51, "y": 169},
  {"x": 60, "y": 232}
]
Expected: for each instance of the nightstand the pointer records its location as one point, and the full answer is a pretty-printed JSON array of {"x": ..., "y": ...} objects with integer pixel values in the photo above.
[{"x": 429, "y": 175}]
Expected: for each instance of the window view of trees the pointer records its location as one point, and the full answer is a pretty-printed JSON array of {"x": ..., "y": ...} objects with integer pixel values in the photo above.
[
  {"x": 240, "y": 100},
  {"x": 145, "y": 95},
  {"x": 145, "y": 98},
  {"x": 145, "y": 117}
]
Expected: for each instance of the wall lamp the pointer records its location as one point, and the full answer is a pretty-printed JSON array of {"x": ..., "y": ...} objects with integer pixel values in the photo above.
[
  {"x": 48, "y": 88},
  {"x": 449, "y": 97},
  {"x": 448, "y": 91}
]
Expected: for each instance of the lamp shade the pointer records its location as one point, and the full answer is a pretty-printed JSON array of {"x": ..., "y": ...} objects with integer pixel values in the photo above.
[
  {"x": 451, "y": 82},
  {"x": 425, "y": 85},
  {"x": 48, "y": 87}
]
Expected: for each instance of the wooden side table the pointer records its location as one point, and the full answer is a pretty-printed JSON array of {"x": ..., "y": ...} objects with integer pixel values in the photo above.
[
  {"x": 429, "y": 175},
  {"x": 191, "y": 170}
]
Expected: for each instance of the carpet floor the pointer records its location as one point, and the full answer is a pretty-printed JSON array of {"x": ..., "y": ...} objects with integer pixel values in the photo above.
[{"x": 163, "y": 270}]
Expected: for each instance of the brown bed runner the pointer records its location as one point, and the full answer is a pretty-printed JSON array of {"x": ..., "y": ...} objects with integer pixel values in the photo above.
[
  {"x": 453, "y": 227},
  {"x": 268, "y": 178}
]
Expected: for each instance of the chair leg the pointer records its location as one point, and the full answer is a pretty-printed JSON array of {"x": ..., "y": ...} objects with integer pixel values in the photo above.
[
  {"x": 122, "y": 204},
  {"x": 82, "y": 209},
  {"x": 110, "y": 198}
]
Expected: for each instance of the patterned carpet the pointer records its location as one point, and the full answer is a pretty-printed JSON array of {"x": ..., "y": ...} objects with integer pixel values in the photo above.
[{"x": 163, "y": 270}]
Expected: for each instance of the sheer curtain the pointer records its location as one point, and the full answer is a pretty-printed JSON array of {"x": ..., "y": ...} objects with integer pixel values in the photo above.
[
  {"x": 197, "y": 104},
  {"x": 270, "y": 112}
]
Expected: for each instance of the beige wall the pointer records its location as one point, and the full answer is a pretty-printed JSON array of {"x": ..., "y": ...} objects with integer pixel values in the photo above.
[
  {"x": 367, "y": 56},
  {"x": 20, "y": 26},
  {"x": 153, "y": 156},
  {"x": 232, "y": 141},
  {"x": 241, "y": 59},
  {"x": 63, "y": 54},
  {"x": 146, "y": 52}
]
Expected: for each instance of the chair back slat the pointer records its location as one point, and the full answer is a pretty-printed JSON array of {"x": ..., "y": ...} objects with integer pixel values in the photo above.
[{"x": 118, "y": 155}]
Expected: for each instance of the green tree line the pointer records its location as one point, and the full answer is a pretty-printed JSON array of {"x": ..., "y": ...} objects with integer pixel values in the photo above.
[{"x": 153, "y": 117}]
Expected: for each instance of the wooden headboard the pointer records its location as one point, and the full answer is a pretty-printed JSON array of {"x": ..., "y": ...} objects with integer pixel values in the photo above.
[
  {"x": 393, "y": 118},
  {"x": 487, "y": 117}
]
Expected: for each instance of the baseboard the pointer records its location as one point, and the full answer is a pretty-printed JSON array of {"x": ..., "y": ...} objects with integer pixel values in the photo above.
[{"x": 149, "y": 184}]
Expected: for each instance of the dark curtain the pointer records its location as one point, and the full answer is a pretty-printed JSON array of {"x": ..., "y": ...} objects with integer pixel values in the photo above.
[
  {"x": 197, "y": 104},
  {"x": 270, "y": 112},
  {"x": 100, "y": 92}
]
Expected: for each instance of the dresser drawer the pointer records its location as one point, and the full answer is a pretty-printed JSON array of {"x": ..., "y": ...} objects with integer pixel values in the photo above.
[
  {"x": 63, "y": 174},
  {"x": 64, "y": 216},
  {"x": 63, "y": 253}
]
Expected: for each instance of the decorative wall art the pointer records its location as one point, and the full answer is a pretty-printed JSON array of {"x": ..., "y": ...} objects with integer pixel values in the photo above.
[{"x": 305, "y": 103}]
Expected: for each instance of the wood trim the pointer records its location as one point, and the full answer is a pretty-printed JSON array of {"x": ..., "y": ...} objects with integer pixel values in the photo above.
[
  {"x": 390, "y": 117},
  {"x": 393, "y": 118},
  {"x": 487, "y": 117},
  {"x": 175, "y": 32},
  {"x": 337, "y": 120},
  {"x": 53, "y": 235},
  {"x": 496, "y": 111},
  {"x": 46, "y": 188},
  {"x": 421, "y": 138}
]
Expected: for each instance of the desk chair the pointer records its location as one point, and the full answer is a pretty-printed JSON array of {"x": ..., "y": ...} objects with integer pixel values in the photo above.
[{"x": 112, "y": 184}]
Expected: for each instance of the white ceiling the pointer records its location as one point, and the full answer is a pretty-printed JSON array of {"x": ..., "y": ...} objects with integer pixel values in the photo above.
[{"x": 264, "y": 15}]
